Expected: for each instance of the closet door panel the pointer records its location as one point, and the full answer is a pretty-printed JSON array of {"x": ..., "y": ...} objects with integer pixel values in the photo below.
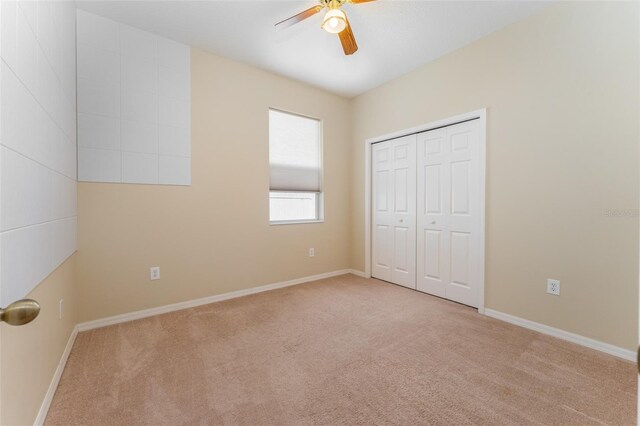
[
  {"x": 460, "y": 186},
  {"x": 464, "y": 223},
  {"x": 460, "y": 248},
  {"x": 431, "y": 252},
  {"x": 432, "y": 182},
  {"x": 382, "y": 202},
  {"x": 432, "y": 268},
  {"x": 448, "y": 212},
  {"x": 394, "y": 215},
  {"x": 404, "y": 211}
]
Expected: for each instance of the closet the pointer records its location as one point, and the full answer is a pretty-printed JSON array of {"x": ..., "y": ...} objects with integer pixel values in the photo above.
[{"x": 426, "y": 220}]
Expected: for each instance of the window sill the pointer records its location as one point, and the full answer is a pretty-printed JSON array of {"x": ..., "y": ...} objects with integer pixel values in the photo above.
[{"x": 295, "y": 222}]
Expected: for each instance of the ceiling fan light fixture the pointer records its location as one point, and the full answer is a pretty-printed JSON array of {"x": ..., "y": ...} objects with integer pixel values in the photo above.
[{"x": 335, "y": 21}]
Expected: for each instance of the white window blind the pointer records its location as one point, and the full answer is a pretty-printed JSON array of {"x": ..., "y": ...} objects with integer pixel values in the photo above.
[{"x": 295, "y": 157}]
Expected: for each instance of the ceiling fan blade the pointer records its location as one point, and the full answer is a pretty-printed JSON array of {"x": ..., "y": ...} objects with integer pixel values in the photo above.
[
  {"x": 299, "y": 17},
  {"x": 348, "y": 41}
]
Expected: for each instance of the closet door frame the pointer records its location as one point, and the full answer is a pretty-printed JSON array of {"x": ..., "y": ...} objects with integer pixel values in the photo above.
[{"x": 481, "y": 115}]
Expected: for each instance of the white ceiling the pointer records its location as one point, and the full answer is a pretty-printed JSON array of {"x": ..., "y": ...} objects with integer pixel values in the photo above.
[{"x": 394, "y": 37}]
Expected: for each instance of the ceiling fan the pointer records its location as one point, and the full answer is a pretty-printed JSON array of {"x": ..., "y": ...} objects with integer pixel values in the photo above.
[{"x": 335, "y": 21}]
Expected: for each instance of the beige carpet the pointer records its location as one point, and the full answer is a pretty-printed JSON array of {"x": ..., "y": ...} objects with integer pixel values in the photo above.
[{"x": 345, "y": 350}]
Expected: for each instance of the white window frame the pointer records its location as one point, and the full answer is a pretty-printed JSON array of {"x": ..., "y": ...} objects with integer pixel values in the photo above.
[{"x": 319, "y": 195}]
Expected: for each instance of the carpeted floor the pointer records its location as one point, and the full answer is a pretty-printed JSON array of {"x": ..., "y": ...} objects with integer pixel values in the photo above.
[{"x": 344, "y": 350}]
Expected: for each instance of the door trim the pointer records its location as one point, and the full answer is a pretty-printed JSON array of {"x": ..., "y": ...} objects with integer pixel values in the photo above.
[{"x": 481, "y": 115}]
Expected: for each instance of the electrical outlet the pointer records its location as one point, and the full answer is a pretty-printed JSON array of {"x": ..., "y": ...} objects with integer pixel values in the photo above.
[
  {"x": 60, "y": 308},
  {"x": 312, "y": 252},
  {"x": 154, "y": 273},
  {"x": 553, "y": 287}
]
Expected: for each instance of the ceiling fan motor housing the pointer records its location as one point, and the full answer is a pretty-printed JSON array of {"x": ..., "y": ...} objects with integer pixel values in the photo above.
[{"x": 335, "y": 21}]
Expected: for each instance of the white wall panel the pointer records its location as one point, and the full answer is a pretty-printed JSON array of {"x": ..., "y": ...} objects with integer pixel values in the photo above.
[
  {"x": 64, "y": 234},
  {"x": 173, "y": 83},
  {"x": 30, "y": 11},
  {"x": 63, "y": 197},
  {"x": 43, "y": 149},
  {"x": 98, "y": 32},
  {"x": 26, "y": 191},
  {"x": 99, "y": 65},
  {"x": 26, "y": 260},
  {"x": 95, "y": 131},
  {"x": 27, "y": 49},
  {"x": 46, "y": 32},
  {"x": 174, "y": 141},
  {"x": 98, "y": 98},
  {"x": 37, "y": 142},
  {"x": 137, "y": 44},
  {"x": 48, "y": 88},
  {"x": 138, "y": 74},
  {"x": 134, "y": 92},
  {"x": 174, "y": 112},
  {"x": 8, "y": 32},
  {"x": 174, "y": 170},
  {"x": 138, "y": 136},
  {"x": 65, "y": 156},
  {"x": 172, "y": 54},
  {"x": 139, "y": 105},
  {"x": 99, "y": 165},
  {"x": 139, "y": 167},
  {"x": 18, "y": 114}
]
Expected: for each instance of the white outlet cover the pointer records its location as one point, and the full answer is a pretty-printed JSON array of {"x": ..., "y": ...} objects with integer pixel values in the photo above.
[
  {"x": 553, "y": 287},
  {"x": 154, "y": 273}
]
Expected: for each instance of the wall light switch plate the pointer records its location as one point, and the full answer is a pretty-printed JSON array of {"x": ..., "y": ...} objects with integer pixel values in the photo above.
[
  {"x": 553, "y": 287},
  {"x": 312, "y": 252},
  {"x": 154, "y": 273},
  {"x": 60, "y": 308}
]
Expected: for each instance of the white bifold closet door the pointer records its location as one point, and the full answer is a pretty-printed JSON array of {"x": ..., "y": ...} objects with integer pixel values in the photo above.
[
  {"x": 394, "y": 211},
  {"x": 448, "y": 219},
  {"x": 426, "y": 212}
]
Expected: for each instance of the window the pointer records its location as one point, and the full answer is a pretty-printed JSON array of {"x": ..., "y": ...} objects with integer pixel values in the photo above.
[{"x": 295, "y": 168}]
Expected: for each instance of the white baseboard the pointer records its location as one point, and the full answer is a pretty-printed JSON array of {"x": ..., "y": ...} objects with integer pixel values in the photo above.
[
  {"x": 103, "y": 322},
  {"x": 564, "y": 335},
  {"x": 357, "y": 273},
  {"x": 48, "y": 397}
]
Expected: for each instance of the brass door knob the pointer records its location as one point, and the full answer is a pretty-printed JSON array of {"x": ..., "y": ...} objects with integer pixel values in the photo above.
[{"x": 21, "y": 312}]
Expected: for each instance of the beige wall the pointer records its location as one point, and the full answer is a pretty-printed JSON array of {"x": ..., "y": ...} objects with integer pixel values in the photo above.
[
  {"x": 29, "y": 355},
  {"x": 214, "y": 237},
  {"x": 561, "y": 89}
]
